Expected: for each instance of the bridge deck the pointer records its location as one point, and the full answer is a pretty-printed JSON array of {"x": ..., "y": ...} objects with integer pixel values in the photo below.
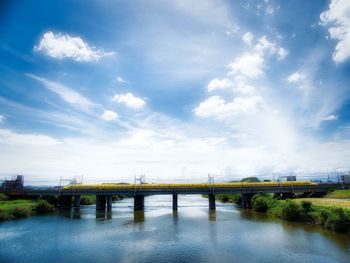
[{"x": 163, "y": 189}]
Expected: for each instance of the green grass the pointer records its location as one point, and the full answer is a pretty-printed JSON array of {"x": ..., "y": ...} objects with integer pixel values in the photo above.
[
  {"x": 16, "y": 209},
  {"x": 23, "y": 208},
  {"x": 324, "y": 201},
  {"x": 339, "y": 194},
  {"x": 5, "y": 205}
]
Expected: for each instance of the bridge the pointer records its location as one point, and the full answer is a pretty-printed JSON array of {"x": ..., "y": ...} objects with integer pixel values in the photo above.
[{"x": 70, "y": 195}]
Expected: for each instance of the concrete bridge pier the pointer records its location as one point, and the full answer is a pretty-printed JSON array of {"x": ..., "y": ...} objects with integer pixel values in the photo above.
[
  {"x": 247, "y": 200},
  {"x": 174, "y": 201},
  {"x": 109, "y": 203},
  {"x": 139, "y": 202},
  {"x": 101, "y": 202},
  {"x": 77, "y": 201},
  {"x": 65, "y": 202},
  {"x": 212, "y": 202}
]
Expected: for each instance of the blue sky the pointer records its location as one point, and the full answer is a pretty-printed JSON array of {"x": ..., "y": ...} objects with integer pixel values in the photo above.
[{"x": 180, "y": 89}]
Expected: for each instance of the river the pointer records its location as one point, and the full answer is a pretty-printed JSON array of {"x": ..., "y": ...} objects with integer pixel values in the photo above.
[{"x": 193, "y": 234}]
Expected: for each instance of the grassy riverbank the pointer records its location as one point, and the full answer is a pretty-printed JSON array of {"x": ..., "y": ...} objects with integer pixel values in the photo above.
[
  {"x": 13, "y": 209},
  {"x": 341, "y": 194},
  {"x": 19, "y": 208},
  {"x": 336, "y": 198},
  {"x": 335, "y": 218}
]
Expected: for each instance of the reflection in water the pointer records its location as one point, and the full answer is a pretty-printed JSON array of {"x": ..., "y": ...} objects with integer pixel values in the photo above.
[
  {"x": 292, "y": 228},
  {"x": 175, "y": 216},
  {"x": 139, "y": 219},
  {"x": 212, "y": 215},
  {"x": 139, "y": 216},
  {"x": 75, "y": 213},
  {"x": 103, "y": 215}
]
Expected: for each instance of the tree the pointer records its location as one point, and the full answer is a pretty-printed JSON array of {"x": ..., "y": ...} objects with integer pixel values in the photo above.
[{"x": 250, "y": 179}]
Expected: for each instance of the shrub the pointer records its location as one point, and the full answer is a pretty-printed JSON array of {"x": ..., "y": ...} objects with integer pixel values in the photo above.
[
  {"x": 3, "y": 197},
  {"x": 306, "y": 206},
  {"x": 43, "y": 206},
  {"x": 290, "y": 211},
  {"x": 54, "y": 200},
  {"x": 337, "y": 221},
  {"x": 260, "y": 203},
  {"x": 5, "y": 215},
  {"x": 21, "y": 211},
  {"x": 223, "y": 198},
  {"x": 237, "y": 199},
  {"x": 87, "y": 200},
  {"x": 231, "y": 198}
]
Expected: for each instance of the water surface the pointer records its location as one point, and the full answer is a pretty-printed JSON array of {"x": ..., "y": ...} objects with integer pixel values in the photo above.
[{"x": 193, "y": 234}]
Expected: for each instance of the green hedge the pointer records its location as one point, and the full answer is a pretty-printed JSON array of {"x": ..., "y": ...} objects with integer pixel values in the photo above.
[{"x": 3, "y": 197}]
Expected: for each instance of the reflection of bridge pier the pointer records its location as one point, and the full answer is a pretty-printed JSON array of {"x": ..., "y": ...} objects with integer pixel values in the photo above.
[{"x": 103, "y": 215}]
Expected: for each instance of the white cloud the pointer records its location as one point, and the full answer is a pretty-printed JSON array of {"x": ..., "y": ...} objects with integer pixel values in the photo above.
[
  {"x": 61, "y": 46},
  {"x": 242, "y": 88},
  {"x": 217, "y": 84},
  {"x": 266, "y": 47},
  {"x": 216, "y": 107},
  {"x": 248, "y": 64},
  {"x": 282, "y": 53},
  {"x": 67, "y": 94},
  {"x": 270, "y": 10},
  {"x": 297, "y": 77},
  {"x": 330, "y": 118},
  {"x": 247, "y": 38},
  {"x": 2, "y": 118},
  {"x": 232, "y": 30},
  {"x": 238, "y": 86},
  {"x": 251, "y": 64},
  {"x": 302, "y": 81},
  {"x": 130, "y": 100},
  {"x": 121, "y": 80},
  {"x": 338, "y": 17},
  {"x": 18, "y": 139},
  {"x": 109, "y": 115}
]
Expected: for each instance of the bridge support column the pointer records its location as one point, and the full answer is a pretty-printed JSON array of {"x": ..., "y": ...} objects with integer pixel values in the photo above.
[
  {"x": 76, "y": 201},
  {"x": 101, "y": 202},
  {"x": 211, "y": 201},
  {"x": 174, "y": 201},
  {"x": 109, "y": 203},
  {"x": 65, "y": 202},
  {"x": 139, "y": 202},
  {"x": 247, "y": 200}
]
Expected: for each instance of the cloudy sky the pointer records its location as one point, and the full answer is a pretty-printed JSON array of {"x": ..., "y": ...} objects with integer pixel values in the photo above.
[{"x": 174, "y": 89}]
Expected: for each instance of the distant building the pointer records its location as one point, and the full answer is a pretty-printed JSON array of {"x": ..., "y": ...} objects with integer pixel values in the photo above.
[{"x": 16, "y": 183}]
